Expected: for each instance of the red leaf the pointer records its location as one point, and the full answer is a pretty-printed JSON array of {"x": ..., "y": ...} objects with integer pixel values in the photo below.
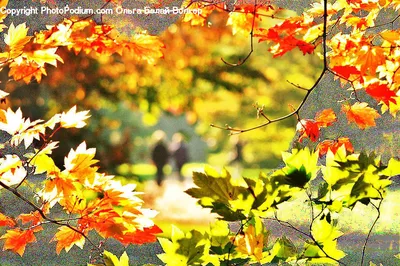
[
  {"x": 308, "y": 128},
  {"x": 360, "y": 114},
  {"x": 381, "y": 92},
  {"x": 346, "y": 71}
]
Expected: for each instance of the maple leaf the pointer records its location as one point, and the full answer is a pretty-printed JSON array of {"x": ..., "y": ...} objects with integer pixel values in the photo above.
[
  {"x": 26, "y": 70},
  {"x": 381, "y": 92},
  {"x": 34, "y": 218},
  {"x": 369, "y": 58},
  {"x": 147, "y": 235},
  {"x": 73, "y": 119},
  {"x": 308, "y": 128},
  {"x": 346, "y": 71},
  {"x": 16, "y": 39},
  {"x": 11, "y": 170},
  {"x": 7, "y": 221},
  {"x": 192, "y": 17},
  {"x": 145, "y": 47},
  {"x": 66, "y": 238},
  {"x": 79, "y": 159},
  {"x": 334, "y": 145},
  {"x": 14, "y": 122},
  {"x": 311, "y": 127},
  {"x": 46, "y": 56},
  {"x": 250, "y": 243},
  {"x": 16, "y": 240},
  {"x": 360, "y": 114},
  {"x": 325, "y": 118}
]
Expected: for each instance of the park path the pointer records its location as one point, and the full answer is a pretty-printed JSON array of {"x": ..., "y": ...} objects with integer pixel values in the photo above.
[{"x": 173, "y": 204}]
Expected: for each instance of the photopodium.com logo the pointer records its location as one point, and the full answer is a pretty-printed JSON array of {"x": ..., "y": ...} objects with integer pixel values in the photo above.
[{"x": 66, "y": 10}]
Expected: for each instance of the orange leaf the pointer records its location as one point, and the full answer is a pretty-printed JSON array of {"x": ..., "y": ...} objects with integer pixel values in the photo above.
[
  {"x": 140, "y": 237},
  {"x": 6, "y": 221},
  {"x": 360, "y": 114},
  {"x": 34, "y": 218},
  {"x": 325, "y": 118},
  {"x": 334, "y": 145},
  {"x": 370, "y": 58},
  {"x": 67, "y": 237},
  {"x": 16, "y": 240}
]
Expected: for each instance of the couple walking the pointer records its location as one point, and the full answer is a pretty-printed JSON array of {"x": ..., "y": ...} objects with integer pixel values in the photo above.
[{"x": 161, "y": 154}]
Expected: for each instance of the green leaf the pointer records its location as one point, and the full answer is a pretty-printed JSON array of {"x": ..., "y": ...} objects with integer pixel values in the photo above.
[
  {"x": 183, "y": 249},
  {"x": 305, "y": 161},
  {"x": 217, "y": 192}
]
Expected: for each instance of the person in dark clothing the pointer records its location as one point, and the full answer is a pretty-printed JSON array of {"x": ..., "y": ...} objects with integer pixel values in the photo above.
[
  {"x": 179, "y": 152},
  {"x": 160, "y": 155}
]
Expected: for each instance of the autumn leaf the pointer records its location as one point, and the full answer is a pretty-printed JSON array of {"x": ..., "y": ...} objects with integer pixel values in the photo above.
[
  {"x": 145, "y": 47},
  {"x": 250, "y": 243},
  {"x": 196, "y": 19},
  {"x": 34, "y": 218},
  {"x": 73, "y": 119},
  {"x": 26, "y": 71},
  {"x": 6, "y": 221},
  {"x": 308, "y": 128},
  {"x": 325, "y": 118},
  {"x": 16, "y": 240},
  {"x": 346, "y": 71},
  {"x": 46, "y": 56},
  {"x": 311, "y": 127},
  {"x": 79, "y": 159},
  {"x": 3, "y": 94},
  {"x": 360, "y": 114},
  {"x": 369, "y": 58},
  {"x": 334, "y": 145},
  {"x": 16, "y": 39},
  {"x": 381, "y": 92},
  {"x": 66, "y": 238}
]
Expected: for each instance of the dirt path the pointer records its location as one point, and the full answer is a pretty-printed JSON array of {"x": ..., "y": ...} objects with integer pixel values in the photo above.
[{"x": 173, "y": 203}]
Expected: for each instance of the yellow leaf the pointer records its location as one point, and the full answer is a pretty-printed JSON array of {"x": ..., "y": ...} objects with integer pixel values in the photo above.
[
  {"x": 17, "y": 38},
  {"x": 46, "y": 56},
  {"x": 80, "y": 159}
]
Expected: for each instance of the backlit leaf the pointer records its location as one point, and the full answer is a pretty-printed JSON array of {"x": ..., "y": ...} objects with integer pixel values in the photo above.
[
  {"x": 361, "y": 114},
  {"x": 66, "y": 238},
  {"x": 16, "y": 240}
]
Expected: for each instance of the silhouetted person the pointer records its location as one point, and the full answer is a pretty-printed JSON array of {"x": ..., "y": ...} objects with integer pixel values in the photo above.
[
  {"x": 238, "y": 155},
  {"x": 160, "y": 155},
  {"x": 179, "y": 152}
]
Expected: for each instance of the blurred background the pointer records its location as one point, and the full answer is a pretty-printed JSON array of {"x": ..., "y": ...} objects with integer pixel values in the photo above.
[{"x": 185, "y": 92}]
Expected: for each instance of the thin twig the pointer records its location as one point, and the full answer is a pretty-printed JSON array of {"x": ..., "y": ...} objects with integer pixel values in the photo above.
[
  {"x": 242, "y": 61},
  {"x": 373, "y": 225},
  {"x": 44, "y": 216}
]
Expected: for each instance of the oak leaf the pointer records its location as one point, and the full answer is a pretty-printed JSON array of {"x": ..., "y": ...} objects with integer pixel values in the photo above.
[{"x": 361, "y": 114}]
